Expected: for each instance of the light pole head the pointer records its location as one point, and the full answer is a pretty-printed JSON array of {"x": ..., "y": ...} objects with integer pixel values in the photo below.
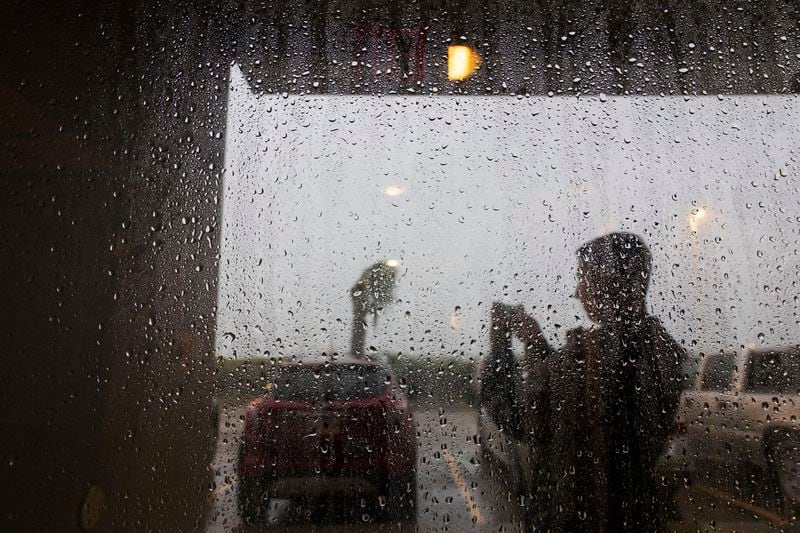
[{"x": 696, "y": 216}]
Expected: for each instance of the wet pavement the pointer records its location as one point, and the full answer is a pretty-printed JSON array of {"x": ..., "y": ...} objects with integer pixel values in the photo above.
[{"x": 456, "y": 492}]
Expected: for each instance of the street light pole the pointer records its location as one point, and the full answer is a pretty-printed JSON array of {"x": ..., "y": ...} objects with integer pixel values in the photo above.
[
  {"x": 372, "y": 292},
  {"x": 696, "y": 218}
]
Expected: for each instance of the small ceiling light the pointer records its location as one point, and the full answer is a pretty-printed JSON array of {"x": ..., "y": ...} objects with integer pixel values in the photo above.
[
  {"x": 462, "y": 62},
  {"x": 697, "y": 216},
  {"x": 455, "y": 318},
  {"x": 393, "y": 190},
  {"x": 392, "y": 263}
]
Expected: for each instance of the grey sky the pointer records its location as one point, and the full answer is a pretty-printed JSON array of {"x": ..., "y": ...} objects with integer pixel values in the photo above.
[{"x": 498, "y": 194}]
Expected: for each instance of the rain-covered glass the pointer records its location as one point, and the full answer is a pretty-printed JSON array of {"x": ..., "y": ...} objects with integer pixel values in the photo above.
[
  {"x": 375, "y": 265},
  {"x": 718, "y": 371}
]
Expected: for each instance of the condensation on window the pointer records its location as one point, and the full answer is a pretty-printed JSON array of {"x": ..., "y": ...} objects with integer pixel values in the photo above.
[{"x": 384, "y": 265}]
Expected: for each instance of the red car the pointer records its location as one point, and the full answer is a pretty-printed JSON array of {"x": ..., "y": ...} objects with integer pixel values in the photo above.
[{"x": 332, "y": 428}]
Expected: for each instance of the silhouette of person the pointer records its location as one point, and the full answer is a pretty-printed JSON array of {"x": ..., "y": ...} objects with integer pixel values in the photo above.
[{"x": 600, "y": 408}]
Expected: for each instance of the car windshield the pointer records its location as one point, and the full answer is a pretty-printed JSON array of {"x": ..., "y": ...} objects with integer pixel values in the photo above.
[
  {"x": 775, "y": 371},
  {"x": 718, "y": 372},
  {"x": 329, "y": 383}
]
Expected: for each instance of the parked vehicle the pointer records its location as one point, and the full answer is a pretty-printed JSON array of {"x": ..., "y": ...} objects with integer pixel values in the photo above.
[
  {"x": 505, "y": 450},
  {"x": 503, "y": 446},
  {"x": 737, "y": 429},
  {"x": 330, "y": 428},
  {"x": 502, "y": 376}
]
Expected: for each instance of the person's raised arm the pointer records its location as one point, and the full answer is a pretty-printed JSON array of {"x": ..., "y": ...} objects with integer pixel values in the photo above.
[{"x": 537, "y": 389}]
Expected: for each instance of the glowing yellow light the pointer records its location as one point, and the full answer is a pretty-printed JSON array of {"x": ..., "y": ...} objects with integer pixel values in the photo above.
[
  {"x": 393, "y": 190},
  {"x": 392, "y": 263},
  {"x": 455, "y": 320},
  {"x": 462, "y": 62},
  {"x": 696, "y": 216},
  {"x": 610, "y": 224}
]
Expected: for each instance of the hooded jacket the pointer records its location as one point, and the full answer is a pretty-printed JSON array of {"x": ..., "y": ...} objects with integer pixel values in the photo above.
[{"x": 601, "y": 407}]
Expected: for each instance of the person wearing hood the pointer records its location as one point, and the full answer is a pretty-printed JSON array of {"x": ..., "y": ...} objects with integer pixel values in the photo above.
[{"x": 600, "y": 408}]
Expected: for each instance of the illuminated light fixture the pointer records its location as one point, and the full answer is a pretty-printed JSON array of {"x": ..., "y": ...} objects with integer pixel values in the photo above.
[
  {"x": 696, "y": 216},
  {"x": 462, "y": 62},
  {"x": 393, "y": 190},
  {"x": 610, "y": 224},
  {"x": 392, "y": 263},
  {"x": 455, "y": 319}
]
